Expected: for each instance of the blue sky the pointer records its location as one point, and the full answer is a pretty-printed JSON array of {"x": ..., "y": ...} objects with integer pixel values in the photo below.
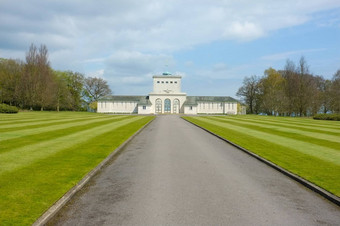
[{"x": 212, "y": 44}]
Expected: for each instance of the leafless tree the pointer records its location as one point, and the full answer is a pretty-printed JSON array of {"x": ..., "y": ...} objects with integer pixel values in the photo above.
[
  {"x": 335, "y": 93},
  {"x": 249, "y": 92},
  {"x": 96, "y": 88}
]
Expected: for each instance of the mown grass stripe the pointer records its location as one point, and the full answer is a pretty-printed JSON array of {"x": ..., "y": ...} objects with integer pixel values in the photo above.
[
  {"x": 296, "y": 121},
  {"x": 321, "y": 152},
  {"x": 26, "y": 155},
  {"x": 312, "y": 128},
  {"x": 33, "y": 125},
  {"x": 306, "y": 125},
  {"x": 8, "y": 145},
  {"x": 12, "y": 118},
  {"x": 296, "y": 135},
  {"x": 318, "y": 138},
  {"x": 32, "y": 120},
  {"x": 22, "y": 133},
  {"x": 32, "y": 116}
]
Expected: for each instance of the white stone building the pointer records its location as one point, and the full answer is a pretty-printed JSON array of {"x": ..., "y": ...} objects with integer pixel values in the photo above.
[{"x": 167, "y": 98}]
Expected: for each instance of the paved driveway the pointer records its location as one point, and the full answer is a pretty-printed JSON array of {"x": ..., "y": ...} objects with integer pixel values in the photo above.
[{"x": 174, "y": 173}]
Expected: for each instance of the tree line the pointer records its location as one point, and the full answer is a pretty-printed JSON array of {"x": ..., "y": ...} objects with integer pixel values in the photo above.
[
  {"x": 293, "y": 91},
  {"x": 34, "y": 85}
]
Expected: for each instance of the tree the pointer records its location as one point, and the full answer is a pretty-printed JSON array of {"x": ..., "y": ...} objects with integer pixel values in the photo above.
[
  {"x": 326, "y": 95},
  {"x": 46, "y": 85},
  {"x": 37, "y": 83},
  {"x": 63, "y": 98},
  {"x": 75, "y": 81},
  {"x": 291, "y": 85},
  {"x": 300, "y": 88},
  {"x": 273, "y": 99},
  {"x": 306, "y": 86},
  {"x": 96, "y": 88},
  {"x": 320, "y": 102},
  {"x": 10, "y": 76},
  {"x": 250, "y": 93},
  {"x": 335, "y": 93},
  {"x": 93, "y": 105}
]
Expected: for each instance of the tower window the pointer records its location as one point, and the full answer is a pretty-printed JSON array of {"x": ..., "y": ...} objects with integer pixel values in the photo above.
[
  {"x": 175, "y": 81},
  {"x": 162, "y": 81},
  {"x": 167, "y": 82},
  {"x": 157, "y": 81},
  {"x": 171, "y": 82}
]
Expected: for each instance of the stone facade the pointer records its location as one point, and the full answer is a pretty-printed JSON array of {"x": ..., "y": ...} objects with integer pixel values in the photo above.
[{"x": 167, "y": 98}]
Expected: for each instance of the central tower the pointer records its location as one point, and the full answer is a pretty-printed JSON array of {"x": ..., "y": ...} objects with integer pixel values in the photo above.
[
  {"x": 167, "y": 96},
  {"x": 166, "y": 83}
]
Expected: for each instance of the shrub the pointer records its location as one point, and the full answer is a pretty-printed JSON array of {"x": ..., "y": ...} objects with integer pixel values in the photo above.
[
  {"x": 4, "y": 108},
  {"x": 334, "y": 117}
]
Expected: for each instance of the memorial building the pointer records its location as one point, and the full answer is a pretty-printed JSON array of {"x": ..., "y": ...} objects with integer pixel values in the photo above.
[{"x": 167, "y": 98}]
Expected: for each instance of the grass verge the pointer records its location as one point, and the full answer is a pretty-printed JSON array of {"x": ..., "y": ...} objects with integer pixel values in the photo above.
[
  {"x": 40, "y": 164},
  {"x": 308, "y": 148}
]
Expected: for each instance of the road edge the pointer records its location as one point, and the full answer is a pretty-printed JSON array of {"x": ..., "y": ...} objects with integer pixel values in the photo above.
[
  {"x": 333, "y": 198},
  {"x": 54, "y": 209}
]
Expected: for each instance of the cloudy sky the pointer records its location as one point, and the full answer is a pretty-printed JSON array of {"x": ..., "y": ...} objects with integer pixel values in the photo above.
[{"x": 213, "y": 44}]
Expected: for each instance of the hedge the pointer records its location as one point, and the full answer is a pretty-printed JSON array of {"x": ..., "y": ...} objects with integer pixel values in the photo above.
[
  {"x": 4, "y": 108},
  {"x": 334, "y": 117}
]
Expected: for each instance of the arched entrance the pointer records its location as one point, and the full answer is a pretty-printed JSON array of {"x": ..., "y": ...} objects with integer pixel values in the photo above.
[
  {"x": 158, "y": 106},
  {"x": 176, "y": 106},
  {"x": 167, "y": 106}
]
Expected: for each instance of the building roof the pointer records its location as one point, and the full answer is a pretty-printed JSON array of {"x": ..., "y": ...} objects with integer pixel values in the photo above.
[
  {"x": 166, "y": 76},
  {"x": 141, "y": 100},
  {"x": 193, "y": 100},
  {"x": 190, "y": 100}
]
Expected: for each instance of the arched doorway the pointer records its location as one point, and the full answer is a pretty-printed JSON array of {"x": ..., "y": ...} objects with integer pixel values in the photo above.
[
  {"x": 176, "y": 106},
  {"x": 158, "y": 106},
  {"x": 167, "y": 106}
]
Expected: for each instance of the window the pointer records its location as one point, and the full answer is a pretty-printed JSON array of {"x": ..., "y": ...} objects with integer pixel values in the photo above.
[
  {"x": 158, "y": 106},
  {"x": 171, "y": 82},
  {"x": 144, "y": 107},
  {"x": 167, "y": 106},
  {"x": 157, "y": 81},
  {"x": 167, "y": 82},
  {"x": 175, "y": 81},
  {"x": 162, "y": 81},
  {"x": 190, "y": 107},
  {"x": 176, "y": 106}
]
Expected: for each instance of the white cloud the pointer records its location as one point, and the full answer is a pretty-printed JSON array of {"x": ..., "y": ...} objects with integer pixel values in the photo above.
[
  {"x": 243, "y": 31},
  {"x": 145, "y": 25},
  {"x": 98, "y": 73}
]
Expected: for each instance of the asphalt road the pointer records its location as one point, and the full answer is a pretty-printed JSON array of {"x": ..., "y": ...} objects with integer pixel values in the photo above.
[{"x": 174, "y": 173}]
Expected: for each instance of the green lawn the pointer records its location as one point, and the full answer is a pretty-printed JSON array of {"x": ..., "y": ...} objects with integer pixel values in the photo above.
[
  {"x": 44, "y": 154},
  {"x": 309, "y": 148}
]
